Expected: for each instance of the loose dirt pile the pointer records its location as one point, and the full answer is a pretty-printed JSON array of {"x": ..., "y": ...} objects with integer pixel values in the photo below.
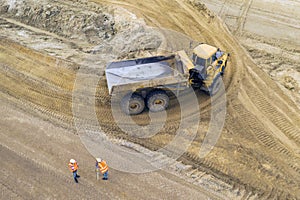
[
  {"x": 94, "y": 29},
  {"x": 92, "y": 24}
]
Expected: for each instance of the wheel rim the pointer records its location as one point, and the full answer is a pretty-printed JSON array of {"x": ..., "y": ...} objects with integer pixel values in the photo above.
[
  {"x": 133, "y": 106},
  {"x": 159, "y": 102}
]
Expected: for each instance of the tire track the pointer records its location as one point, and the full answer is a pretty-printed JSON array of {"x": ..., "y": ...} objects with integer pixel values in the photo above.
[
  {"x": 8, "y": 192},
  {"x": 224, "y": 9},
  {"x": 256, "y": 127},
  {"x": 282, "y": 103},
  {"x": 34, "y": 166},
  {"x": 253, "y": 126},
  {"x": 32, "y": 63},
  {"x": 254, "y": 130},
  {"x": 278, "y": 118},
  {"x": 12, "y": 85},
  {"x": 243, "y": 17},
  {"x": 49, "y": 110}
]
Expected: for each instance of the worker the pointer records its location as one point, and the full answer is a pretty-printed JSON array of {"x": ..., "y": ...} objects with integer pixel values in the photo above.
[
  {"x": 219, "y": 53},
  {"x": 73, "y": 166},
  {"x": 102, "y": 167}
]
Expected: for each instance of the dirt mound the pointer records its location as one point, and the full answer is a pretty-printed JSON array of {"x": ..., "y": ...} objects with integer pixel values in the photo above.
[
  {"x": 93, "y": 24},
  {"x": 113, "y": 29}
]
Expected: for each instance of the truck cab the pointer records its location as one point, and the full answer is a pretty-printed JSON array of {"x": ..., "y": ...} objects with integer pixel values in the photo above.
[{"x": 209, "y": 64}]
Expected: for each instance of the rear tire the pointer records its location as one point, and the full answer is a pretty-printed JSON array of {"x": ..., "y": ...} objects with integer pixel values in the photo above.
[
  {"x": 157, "y": 101},
  {"x": 132, "y": 104}
]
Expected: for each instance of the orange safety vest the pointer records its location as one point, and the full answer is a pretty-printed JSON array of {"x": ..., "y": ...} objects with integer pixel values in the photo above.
[
  {"x": 103, "y": 166},
  {"x": 73, "y": 167}
]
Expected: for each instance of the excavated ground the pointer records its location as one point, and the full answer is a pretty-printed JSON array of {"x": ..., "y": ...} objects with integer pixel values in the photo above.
[
  {"x": 274, "y": 48},
  {"x": 42, "y": 49}
]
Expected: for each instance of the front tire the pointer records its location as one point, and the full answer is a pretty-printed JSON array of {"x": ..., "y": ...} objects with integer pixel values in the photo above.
[
  {"x": 215, "y": 86},
  {"x": 223, "y": 68},
  {"x": 132, "y": 104},
  {"x": 157, "y": 101}
]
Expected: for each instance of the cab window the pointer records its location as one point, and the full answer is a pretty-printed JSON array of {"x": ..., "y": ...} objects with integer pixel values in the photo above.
[
  {"x": 198, "y": 61},
  {"x": 208, "y": 61}
]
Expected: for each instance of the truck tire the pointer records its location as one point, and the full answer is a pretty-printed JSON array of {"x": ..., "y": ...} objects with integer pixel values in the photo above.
[
  {"x": 132, "y": 104},
  {"x": 157, "y": 101},
  {"x": 215, "y": 86},
  {"x": 223, "y": 68}
]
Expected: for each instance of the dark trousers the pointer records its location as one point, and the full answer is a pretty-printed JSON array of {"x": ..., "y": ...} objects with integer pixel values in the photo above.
[
  {"x": 75, "y": 176},
  {"x": 105, "y": 175}
]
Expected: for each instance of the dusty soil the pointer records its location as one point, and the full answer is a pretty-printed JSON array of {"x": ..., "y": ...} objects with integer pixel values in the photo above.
[
  {"x": 35, "y": 153},
  {"x": 257, "y": 155},
  {"x": 269, "y": 30}
]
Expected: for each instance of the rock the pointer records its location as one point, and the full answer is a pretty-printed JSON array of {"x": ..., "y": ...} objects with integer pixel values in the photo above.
[
  {"x": 289, "y": 82},
  {"x": 194, "y": 176}
]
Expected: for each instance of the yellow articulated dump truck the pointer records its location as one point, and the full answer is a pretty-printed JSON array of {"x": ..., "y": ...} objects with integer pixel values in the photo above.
[{"x": 147, "y": 82}]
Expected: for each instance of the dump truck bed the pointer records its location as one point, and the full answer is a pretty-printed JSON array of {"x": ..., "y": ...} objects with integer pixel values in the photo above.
[{"x": 130, "y": 75}]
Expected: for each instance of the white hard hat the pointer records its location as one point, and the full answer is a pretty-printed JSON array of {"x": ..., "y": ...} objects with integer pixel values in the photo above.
[
  {"x": 72, "y": 161},
  {"x": 98, "y": 159}
]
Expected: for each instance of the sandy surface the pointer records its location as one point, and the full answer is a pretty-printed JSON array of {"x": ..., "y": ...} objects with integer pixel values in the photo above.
[
  {"x": 256, "y": 157},
  {"x": 35, "y": 154},
  {"x": 269, "y": 30}
]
